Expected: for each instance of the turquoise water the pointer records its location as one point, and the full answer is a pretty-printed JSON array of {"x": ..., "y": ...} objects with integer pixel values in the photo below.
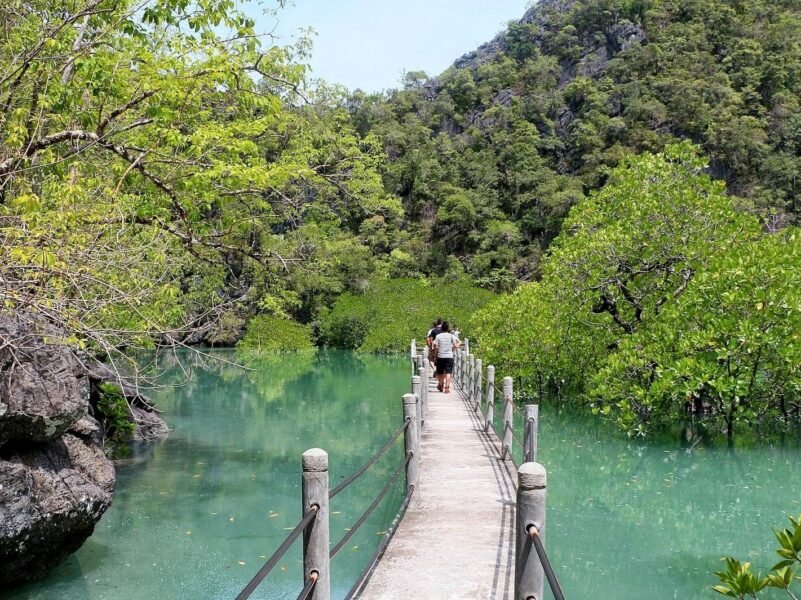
[
  {"x": 632, "y": 521},
  {"x": 195, "y": 516}
]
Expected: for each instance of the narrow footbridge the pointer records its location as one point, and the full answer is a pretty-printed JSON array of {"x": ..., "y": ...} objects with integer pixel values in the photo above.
[{"x": 472, "y": 523}]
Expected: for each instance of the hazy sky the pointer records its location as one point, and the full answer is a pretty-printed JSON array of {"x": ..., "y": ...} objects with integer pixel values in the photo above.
[{"x": 368, "y": 44}]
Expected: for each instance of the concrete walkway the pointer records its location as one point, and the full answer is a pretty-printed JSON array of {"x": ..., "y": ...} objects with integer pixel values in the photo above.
[{"x": 457, "y": 537}]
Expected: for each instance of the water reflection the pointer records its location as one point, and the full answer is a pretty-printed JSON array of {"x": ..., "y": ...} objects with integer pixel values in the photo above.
[{"x": 196, "y": 515}]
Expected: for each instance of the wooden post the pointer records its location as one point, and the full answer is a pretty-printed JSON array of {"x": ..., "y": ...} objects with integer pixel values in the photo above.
[
  {"x": 477, "y": 387},
  {"x": 314, "y": 483},
  {"x": 532, "y": 422},
  {"x": 506, "y": 451},
  {"x": 467, "y": 346},
  {"x": 417, "y": 390},
  {"x": 411, "y": 439},
  {"x": 457, "y": 367},
  {"x": 490, "y": 398},
  {"x": 529, "y": 574}
]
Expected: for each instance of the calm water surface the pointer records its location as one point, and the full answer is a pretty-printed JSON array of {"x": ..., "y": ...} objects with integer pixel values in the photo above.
[{"x": 195, "y": 515}]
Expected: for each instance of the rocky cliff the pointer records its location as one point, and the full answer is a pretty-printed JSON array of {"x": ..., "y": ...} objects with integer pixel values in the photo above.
[{"x": 55, "y": 479}]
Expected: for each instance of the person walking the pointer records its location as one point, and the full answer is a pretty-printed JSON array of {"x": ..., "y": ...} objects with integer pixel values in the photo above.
[
  {"x": 433, "y": 333},
  {"x": 445, "y": 343}
]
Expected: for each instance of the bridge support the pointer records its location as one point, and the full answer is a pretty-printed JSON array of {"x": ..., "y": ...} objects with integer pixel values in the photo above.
[
  {"x": 530, "y": 432},
  {"x": 314, "y": 481},
  {"x": 529, "y": 573},
  {"x": 490, "y": 398},
  {"x": 477, "y": 386},
  {"x": 412, "y": 438},
  {"x": 508, "y": 408},
  {"x": 417, "y": 390}
]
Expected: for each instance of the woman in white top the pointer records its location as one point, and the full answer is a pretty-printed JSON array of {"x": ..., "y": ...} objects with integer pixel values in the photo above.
[{"x": 444, "y": 345}]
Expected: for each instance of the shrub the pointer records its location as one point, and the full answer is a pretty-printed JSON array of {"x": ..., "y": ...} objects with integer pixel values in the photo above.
[
  {"x": 273, "y": 334},
  {"x": 390, "y": 313}
]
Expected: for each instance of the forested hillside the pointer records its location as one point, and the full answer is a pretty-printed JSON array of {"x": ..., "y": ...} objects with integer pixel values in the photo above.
[{"x": 489, "y": 156}]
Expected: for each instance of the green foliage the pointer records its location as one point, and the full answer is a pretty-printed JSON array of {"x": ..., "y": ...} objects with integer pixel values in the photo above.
[
  {"x": 729, "y": 345},
  {"x": 658, "y": 300},
  {"x": 266, "y": 334},
  {"x": 738, "y": 581},
  {"x": 160, "y": 168},
  {"x": 391, "y": 312},
  {"x": 116, "y": 418},
  {"x": 518, "y": 132}
]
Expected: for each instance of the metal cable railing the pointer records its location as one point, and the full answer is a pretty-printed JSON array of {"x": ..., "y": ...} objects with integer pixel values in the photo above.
[
  {"x": 278, "y": 554},
  {"x": 371, "y": 508},
  {"x": 309, "y": 587},
  {"x": 382, "y": 546},
  {"x": 534, "y": 534},
  {"x": 354, "y": 476}
]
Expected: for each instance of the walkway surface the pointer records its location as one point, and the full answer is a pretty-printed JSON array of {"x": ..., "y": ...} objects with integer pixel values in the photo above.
[{"x": 457, "y": 537}]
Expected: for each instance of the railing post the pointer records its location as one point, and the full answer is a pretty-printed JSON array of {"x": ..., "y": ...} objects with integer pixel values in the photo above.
[
  {"x": 463, "y": 370},
  {"x": 471, "y": 378},
  {"x": 477, "y": 387},
  {"x": 507, "y": 418},
  {"x": 411, "y": 439},
  {"x": 490, "y": 398},
  {"x": 417, "y": 390},
  {"x": 531, "y": 426},
  {"x": 467, "y": 346},
  {"x": 529, "y": 573},
  {"x": 426, "y": 381},
  {"x": 314, "y": 481}
]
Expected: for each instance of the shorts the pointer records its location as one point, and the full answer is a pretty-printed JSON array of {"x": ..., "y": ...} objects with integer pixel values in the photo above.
[{"x": 444, "y": 365}]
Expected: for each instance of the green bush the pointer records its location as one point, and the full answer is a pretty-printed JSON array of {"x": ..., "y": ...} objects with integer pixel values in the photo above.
[
  {"x": 390, "y": 313},
  {"x": 115, "y": 413},
  {"x": 273, "y": 334}
]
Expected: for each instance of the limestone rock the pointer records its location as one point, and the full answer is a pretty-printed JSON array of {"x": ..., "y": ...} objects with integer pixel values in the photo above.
[
  {"x": 51, "y": 496},
  {"x": 43, "y": 387}
]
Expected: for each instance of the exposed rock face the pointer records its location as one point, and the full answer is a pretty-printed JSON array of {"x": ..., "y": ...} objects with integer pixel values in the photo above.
[
  {"x": 43, "y": 387},
  {"x": 51, "y": 496},
  {"x": 55, "y": 479}
]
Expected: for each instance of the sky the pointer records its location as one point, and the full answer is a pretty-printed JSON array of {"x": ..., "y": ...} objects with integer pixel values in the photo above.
[{"x": 369, "y": 44}]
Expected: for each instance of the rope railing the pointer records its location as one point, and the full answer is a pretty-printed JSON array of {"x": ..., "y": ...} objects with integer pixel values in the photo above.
[
  {"x": 553, "y": 582},
  {"x": 371, "y": 508},
  {"x": 278, "y": 554},
  {"x": 354, "y": 476}
]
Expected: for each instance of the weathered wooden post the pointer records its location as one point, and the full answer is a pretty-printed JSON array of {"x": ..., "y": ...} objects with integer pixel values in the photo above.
[
  {"x": 507, "y": 418},
  {"x": 417, "y": 390},
  {"x": 467, "y": 346},
  {"x": 314, "y": 482},
  {"x": 529, "y": 574},
  {"x": 530, "y": 437},
  {"x": 411, "y": 439},
  {"x": 490, "y": 398},
  {"x": 477, "y": 386}
]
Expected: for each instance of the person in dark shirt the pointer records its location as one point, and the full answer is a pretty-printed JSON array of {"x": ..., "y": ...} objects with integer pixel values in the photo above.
[{"x": 432, "y": 334}]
